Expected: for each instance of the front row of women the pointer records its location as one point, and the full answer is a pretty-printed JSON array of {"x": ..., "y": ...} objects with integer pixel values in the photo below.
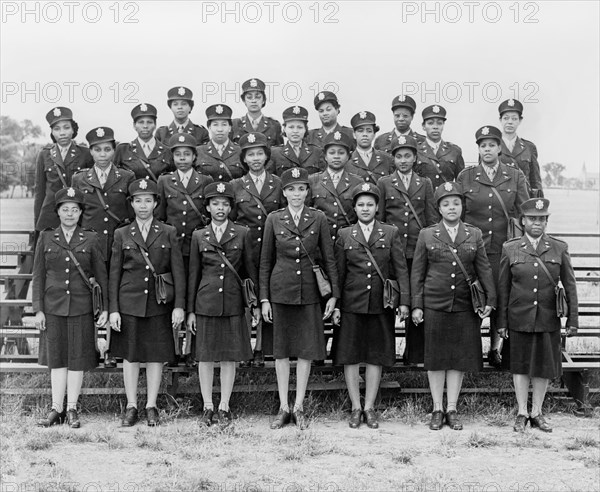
[{"x": 448, "y": 257}]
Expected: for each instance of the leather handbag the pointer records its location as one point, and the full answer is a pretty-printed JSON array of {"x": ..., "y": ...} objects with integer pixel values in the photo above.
[
  {"x": 562, "y": 307},
  {"x": 164, "y": 286},
  {"x": 323, "y": 283},
  {"x": 248, "y": 289},
  {"x": 97, "y": 303},
  {"x": 478, "y": 297},
  {"x": 391, "y": 288},
  {"x": 514, "y": 228}
]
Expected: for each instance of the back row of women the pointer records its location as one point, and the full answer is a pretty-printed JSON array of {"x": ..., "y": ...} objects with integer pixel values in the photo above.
[{"x": 385, "y": 224}]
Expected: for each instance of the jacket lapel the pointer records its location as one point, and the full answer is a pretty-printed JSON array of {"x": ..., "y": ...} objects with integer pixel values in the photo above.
[
  {"x": 358, "y": 236},
  {"x": 518, "y": 148},
  {"x": 136, "y": 235},
  {"x": 268, "y": 186},
  {"x": 71, "y": 153},
  {"x": 154, "y": 232},
  {"x": 92, "y": 178},
  {"x": 344, "y": 183},
  {"x": 113, "y": 176},
  {"x": 376, "y": 234},
  {"x": 229, "y": 233},
  {"x": 289, "y": 153},
  {"x": 288, "y": 222},
  {"x": 415, "y": 184},
  {"x": 543, "y": 245},
  {"x": 462, "y": 233},
  {"x": 306, "y": 219},
  {"x": 57, "y": 157},
  {"x": 193, "y": 182},
  {"x": 250, "y": 187},
  {"x": 441, "y": 234}
]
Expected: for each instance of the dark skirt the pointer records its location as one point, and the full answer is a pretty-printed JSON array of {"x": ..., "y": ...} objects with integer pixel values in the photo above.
[
  {"x": 222, "y": 338},
  {"x": 144, "y": 339},
  {"x": 368, "y": 338},
  {"x": 414, "y": 336},
  {"x": 538, "y": 355},
  {"x": 452, "y": 341},
  {"x": 69, "y": 341},
  {"x": 298, "y": 331}
]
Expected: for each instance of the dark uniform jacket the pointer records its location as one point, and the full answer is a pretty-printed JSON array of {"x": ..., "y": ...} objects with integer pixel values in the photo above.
[
  {"x": 131, "y": 281},
  {"x": 394, "y": 209},
  {"x": 247, "y": 211},
  {"x": 286, "y": 275},
  {"x": 114, "y": 193},
  {"x": 525, "y": 157},
  {"x": 381, "y": 164},
  {"x": 213, "y": 289},
  {"x": 527, "y": 301},
  {"x": 284, "y": 158},
  {"x": 164, "y": 133},
  {"x": 174, "y": 206},
  {"x": 220, "y": 168},
  {"x": 386, "y": 141},
  {"x": 445, "y": 165},
  {"x": 58, "y": 287},
  {"x": 332, "y": 201},
  {"x": 482, "y": 208},
  {"x": 362, "y": 287},
  {"x": 131, "y": 156},
  {"x": 437, "y": 281},
  {"x": 47, "y": 181},
  {"x": 269, "y": 127},
  {"x": 317, "y": 137}
]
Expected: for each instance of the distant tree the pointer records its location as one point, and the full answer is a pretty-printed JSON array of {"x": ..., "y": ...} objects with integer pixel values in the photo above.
[{"x": 554, "y": 172}]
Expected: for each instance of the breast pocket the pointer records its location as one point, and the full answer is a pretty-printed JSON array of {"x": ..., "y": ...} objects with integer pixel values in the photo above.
[
  {"x": 467, "y": 251},
  {"x": 172, "y": 194},
  {"x": 52, "y": 252}
]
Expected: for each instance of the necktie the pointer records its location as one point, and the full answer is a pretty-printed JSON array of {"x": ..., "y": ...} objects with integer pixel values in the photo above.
[
  {"x": 255, "y": 124},
  {"x": 184, "y": 180},
  {"x": 296, "y": 219},
  {"x": 146, "y": 148},
  {"x": 145, "y": 229},
  {"x": 68, "y": 235},
  {"x": 63, "y": 152},
  {"x": 258, "y": 184},
  {"x": 367, "y": 232},
  {"x": 336, "y": 179},
  {"x": 406, "y": 181},
  {"x": 180, "y": 129},
  {"x": 219, "y": 233},
  {"x": 297, "y": 150},
  {"x": 102, "y": 178},
  {"x": 534, "y": 243},
  {"x": 491, "y": 172},
  {"x": 452, "y": 232},
  {"x": 220, "y": 149}
]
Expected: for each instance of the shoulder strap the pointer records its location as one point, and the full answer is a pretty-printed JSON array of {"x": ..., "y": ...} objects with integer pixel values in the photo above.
[
  {"x": 227, "y": 170},
  {"x": 193, "y": 205},
  {"x": 260, "y": 204},
  {"x": 460, "y": 264},
  {"x": 147, "y": 260},
  {"x": 109, "y": 212},
  {"x": 495, "y": 191},
  {"x": 547, "y": 272},
  {"x": 370, "y": 255},
  {"x": 60, "y": 176},
  {"x": 412, "y": 209},
  {"x": 338, "y": 202},
  {"x": 147, "y": 166},
  {"x": 81, "y": 272},
  {"x": 304, "y": 248},
  {"x": 229, "y": 265}
]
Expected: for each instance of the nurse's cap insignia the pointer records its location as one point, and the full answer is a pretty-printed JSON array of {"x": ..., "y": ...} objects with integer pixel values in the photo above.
[
  {"x": 337, "y": 136},
  {"x": 362, "y": 115},
  {"x": 100, "y": 132},
  {"x": 220, "y": 187},
  {"x": 511, "y": 102},
  {"x": 296, "y": 110},
  {"x": 253, "y": 83},
  {"x": 181, "y": 138},
  {"x": 57, "y": 112},
  {"x": 401, "y": 98},
  {"x": 181, "y": 91},
  {"x": 402, "y": 139},
  {"x": 143, "y": 184},
  {"x": 296, "y": 172},
  {"x": 366, "y": 187},
  {"x": 219, "y": 109},
  {"x": 436, "y": 109},
  {"x": 485, "y": 131},
  {"x": 448, "y": 187},
  {"x": 143, "y": 107},
  {"x": 70, "y": 192},
  {"x": 251, "y": 138},
  {"x": 539, "y": 204},
  {"x": 321, "y": 96}
]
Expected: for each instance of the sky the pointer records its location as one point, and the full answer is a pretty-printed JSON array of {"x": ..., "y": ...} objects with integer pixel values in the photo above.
[{"x": 101, "y": 58}]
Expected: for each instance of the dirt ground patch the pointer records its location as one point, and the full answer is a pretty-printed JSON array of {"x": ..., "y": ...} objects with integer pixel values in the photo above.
[{"x": 329, "y": 456}]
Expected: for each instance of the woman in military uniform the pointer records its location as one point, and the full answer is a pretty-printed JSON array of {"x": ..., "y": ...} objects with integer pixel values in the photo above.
[
  {"x": 296, "y": 152},
  {"x": 366, "y": 162},
  {"x": 481, "y": 186},
  {"x": 220, "y": 157},
  {"x": 527, "y": 309},
  {"x": 403, "y": 110},
  {"x": 257, "y": 194},
  {"x": 215, "y": 304},
  {"x": 517, "y": 151},
  {"x": 254, "y": 98},
  {"x": 145, "y": 156},
  {"x": 327, "y": 105},
  {"x": 62, "y": 301},
  {"x": 181, "y": 102},
  {"x": 441, "y": 298},
  {"x": 437, "y": 159},
  {"x": 144, "y": 327},
  {"x": 367, "y": 328},
  {"x": 55, "y": 165},
  {"x": 295, "y": 237},
  {"x": 407, "y": 202}
]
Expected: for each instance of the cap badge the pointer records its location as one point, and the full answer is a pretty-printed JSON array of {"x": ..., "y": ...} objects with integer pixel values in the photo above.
[
  {"x": 337, "y": 136},
  {"x": 511, "y": 102},
  {"x": 295, "y": 172},
  {"x": 539, "y": 204},
  {"x": 181, "y": 139},
  {"x": 219, "y": 109},
  {"x": 401, "y": 98},
  {"x": 485, "y": 131},
  {"x": 221, "y": 188},
  {"x": 365, "y": 187},
  {"x": 362, "y": 115},
  {"x": 100, "y": 132},
  {"x": 253, "y": 83},
  {"x": 402, "y": 139},
  {"x": 448, "y": 186},
  {"x": 321, "y": 96},
  {"x": 436, "y": 109},
  {"x": 296, "y": 110},
  {"x": 56, "y": 112},
  {"x": 251, "y": 138},
  {"x": 181, "y": 91},
  {"x": 143, "y": 184},
  {"x": 143, "y": 107},
  {"x": 70, "y": 192}
]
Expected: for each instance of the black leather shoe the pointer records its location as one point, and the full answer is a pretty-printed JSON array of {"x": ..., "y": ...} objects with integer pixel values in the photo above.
[
  {"x": 130, "y": 418},
  {"x": 152, "y": 417},
  {"x": 520, "y": 423},
  {"x": 540, "y": 423},
  {"x": 190, "y": 362},
  {"x": 453, "y": 420},
  {"x": 371, "y": 419},
  {"x": 495, "y": 359},
  {"x": 73, "y": 419},
  {"x": 224, "y": 417},
  {"x": 259, "y": 359},
  {"x": 53, "y": 418},
  {"x": 281, "y": 419},
  {"x": 207, "y": 417},
  {"x": 355, "y": 419},
  {"x": 300, "y": 419},
  {"x": 246, "y": 363},
  {"x": 437, "y": 420},
  {"x": 109, "y": 360}
]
